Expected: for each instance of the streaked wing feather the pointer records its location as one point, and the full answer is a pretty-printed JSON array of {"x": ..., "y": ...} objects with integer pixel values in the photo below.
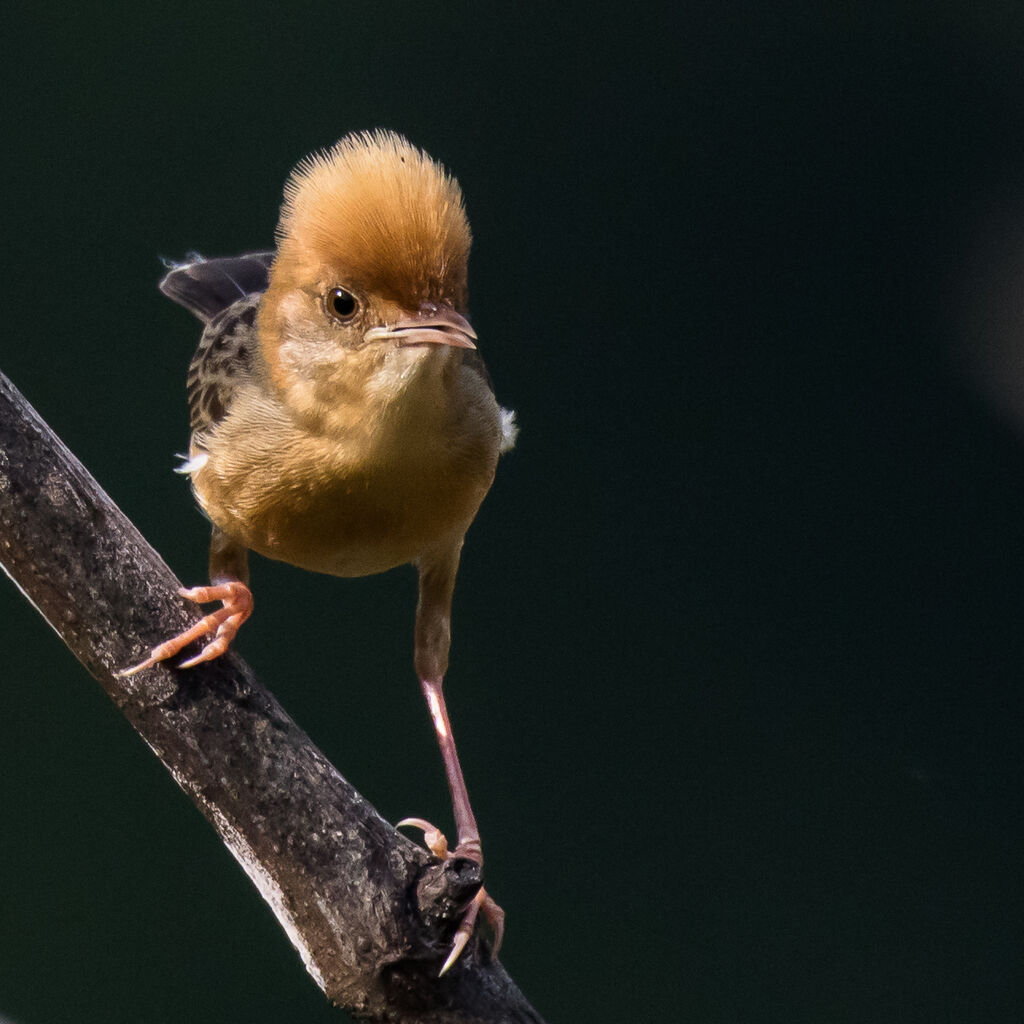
[{"x": 222, "y": 361}]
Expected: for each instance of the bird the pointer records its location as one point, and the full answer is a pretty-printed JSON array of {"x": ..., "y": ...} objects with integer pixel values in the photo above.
[{"x": 342, "y": 418}]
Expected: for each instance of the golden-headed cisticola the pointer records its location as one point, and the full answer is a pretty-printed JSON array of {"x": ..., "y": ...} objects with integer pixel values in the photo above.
[{"x": 342, "y": 418}]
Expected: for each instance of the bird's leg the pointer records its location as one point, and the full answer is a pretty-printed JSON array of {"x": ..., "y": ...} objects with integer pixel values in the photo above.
[
  {"x": 432, "y": 640},
  {"x": 229, "y": 574},
  {"x": 468, "y": 841},
  {"x": 468, "y": 844},
  {"x": 433, "y": 637}
]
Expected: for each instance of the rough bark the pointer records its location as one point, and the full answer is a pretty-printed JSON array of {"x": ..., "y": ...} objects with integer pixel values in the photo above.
[{"x": 370, "y": 913}]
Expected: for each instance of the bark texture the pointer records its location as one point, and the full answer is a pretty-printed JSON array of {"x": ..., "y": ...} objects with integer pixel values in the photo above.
[{"x": 370, "y": 912}]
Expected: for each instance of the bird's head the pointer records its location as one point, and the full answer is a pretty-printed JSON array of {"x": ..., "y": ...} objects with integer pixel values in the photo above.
[{"x": 370, "y": 279}]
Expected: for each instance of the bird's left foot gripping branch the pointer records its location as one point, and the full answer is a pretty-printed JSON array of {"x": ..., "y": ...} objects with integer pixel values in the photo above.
[{"x": 342, "y": 418}]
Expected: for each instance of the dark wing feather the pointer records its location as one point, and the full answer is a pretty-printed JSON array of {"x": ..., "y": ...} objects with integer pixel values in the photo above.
[
  {"x": 208, "y": 287},
  {"x": 223, "y": 359},
  {"x": 473, "y": 359}
]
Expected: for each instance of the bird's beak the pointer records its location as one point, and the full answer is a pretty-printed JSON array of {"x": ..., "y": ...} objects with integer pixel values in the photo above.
[{"x": 433, "y": 326}]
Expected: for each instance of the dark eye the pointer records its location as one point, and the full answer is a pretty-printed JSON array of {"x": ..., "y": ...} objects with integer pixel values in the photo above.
[{"x": 340, "y": 304}]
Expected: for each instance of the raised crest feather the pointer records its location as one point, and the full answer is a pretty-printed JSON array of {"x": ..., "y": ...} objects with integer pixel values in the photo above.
[{"x": 385, "y": 210}]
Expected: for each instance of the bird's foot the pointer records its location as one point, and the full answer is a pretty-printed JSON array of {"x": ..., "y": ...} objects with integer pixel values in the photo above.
[
  {"x": 437, "y": 844},
  {"x": 223, "y": 624}
]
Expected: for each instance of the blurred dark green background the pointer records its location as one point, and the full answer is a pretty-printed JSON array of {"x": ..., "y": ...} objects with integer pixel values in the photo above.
[{"x": 740, "y": 630}]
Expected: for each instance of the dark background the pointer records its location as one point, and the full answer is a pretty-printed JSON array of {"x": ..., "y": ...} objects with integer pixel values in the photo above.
[{"x": 740, "y": 630}]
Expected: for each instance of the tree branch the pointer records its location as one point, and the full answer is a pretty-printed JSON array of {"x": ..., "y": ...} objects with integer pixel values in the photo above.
[{"x": 370, "y": 913}]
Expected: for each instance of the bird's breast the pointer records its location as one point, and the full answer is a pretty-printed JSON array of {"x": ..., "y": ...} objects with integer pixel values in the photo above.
[{"x": 354, "y": 505}]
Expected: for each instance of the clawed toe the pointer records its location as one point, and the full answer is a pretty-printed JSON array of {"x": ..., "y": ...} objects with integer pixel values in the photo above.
[
  {"x": 464, "y": 931},
  {"x": 433, "y": 838},
  {"x": 496, "y": 919},
  {"x": 223, "y": 624}
]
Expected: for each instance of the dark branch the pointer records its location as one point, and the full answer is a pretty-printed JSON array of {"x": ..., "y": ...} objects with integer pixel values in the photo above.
[{"x": 371, "y": 913}]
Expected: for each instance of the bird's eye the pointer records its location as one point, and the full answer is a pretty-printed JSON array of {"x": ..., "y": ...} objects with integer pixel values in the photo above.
[{"x": 340, "y": 304}]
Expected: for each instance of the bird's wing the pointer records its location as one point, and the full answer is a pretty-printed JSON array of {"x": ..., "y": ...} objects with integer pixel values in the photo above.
[
  {"x": 222, "y": 363},
  {"x": 472, "y": 359},
  {"x": 208, "y": 287}
]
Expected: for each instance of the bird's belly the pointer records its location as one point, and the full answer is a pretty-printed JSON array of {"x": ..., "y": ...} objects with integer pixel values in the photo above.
[
  {"x": 363, "y": 528},
  {"x": 345, "y": 522}
]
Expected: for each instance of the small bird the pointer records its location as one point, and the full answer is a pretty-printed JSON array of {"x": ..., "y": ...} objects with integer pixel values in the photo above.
[{"x": 342, "y": 418}]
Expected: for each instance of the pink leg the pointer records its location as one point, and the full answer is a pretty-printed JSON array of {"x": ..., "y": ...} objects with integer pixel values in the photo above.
[
  {"x": 223, "y": 624},
  {"x": 433, "y": 614},
  {"x": 468, "y": 842}
]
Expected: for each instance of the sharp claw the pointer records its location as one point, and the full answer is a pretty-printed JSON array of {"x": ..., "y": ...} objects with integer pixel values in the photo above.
[
  {"x": 457, "y": 947},
  {"x": 142, "y": 665},
  {"x": 464, "y": 932},
  {"x": 433, "y": 837},
  {"x": 415, "y": 823}
]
